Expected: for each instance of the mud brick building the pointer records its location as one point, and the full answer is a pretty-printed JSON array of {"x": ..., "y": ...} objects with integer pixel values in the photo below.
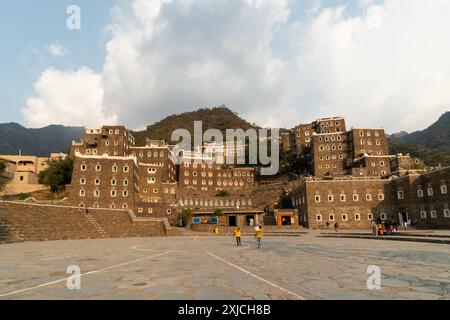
[
  {"x": 109, "y": 140},
  {"x": 104, "y": 182},
  {"x": 354, "y": 180},
  {"x": 353, "y": 202},
  {"x": 110, "y": 171}
]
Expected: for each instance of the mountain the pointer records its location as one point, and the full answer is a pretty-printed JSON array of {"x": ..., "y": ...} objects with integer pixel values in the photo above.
[
  {"x": 431, "y": 144},
  {"x": 39, "y": 142},
  {"x": 220, "y": 118},
  {"x": 437, "y": 136}
]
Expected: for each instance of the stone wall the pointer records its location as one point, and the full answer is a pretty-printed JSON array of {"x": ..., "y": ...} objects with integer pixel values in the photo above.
[{"x": 26, "y": 222}]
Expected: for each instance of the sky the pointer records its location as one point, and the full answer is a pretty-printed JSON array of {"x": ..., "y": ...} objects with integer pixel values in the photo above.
[{"x": 379, "y": 63}]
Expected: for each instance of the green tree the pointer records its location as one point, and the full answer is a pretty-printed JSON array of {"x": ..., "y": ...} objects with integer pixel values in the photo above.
[
  {"x": 185, "y": 216},
  {"x": 58, "y": 174}
]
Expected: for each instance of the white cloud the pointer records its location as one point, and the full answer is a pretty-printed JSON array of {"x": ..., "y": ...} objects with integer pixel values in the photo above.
[
  {"x": 385, "y": 65},
  {"x": 57, "y": 50},
  {"x": 67, "y": 97}
]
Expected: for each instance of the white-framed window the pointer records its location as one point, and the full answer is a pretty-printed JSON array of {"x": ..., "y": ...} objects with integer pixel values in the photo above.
[
  {"x": 400, "y": 194},
  {"x": 113, "y": 193},
  {"x": 381, "y": 196},
  {"x": 97, "y": 182},
  {"x": 126, "y": 168},
  {"x": 344, "y": 217},
  {"x": 114, "y": 168},
  {"x": 155, "y": 190},
  {"x": 97, "y": 193},
  {"x": 423, "y": 214},
  {"x": 82, "y": 193},
  {"x": 151, "y": 180},
  {"x": 124, "y": 206},
  {"x": 140, "y": 210},
  {"x": 331, "y": 217},
  {"x": 420, "y": 193},
  {"x": 318, "y": 217},
  {"x": 430, "y": 192},
  {"x": 368, "y": 197},
  {"x": 444, "y": 189},
  {"x": 125, "y": 193},
  {"x": 433, "y": 214},
  {"x": 150, "y": 210},
  {"x": 357, "y": 217},
  {"x": 98, "y": 167},
  {"x": 383, "y": 216},
  {"x": 125, "y": 182},
  {"x": 317, "y": 198},
  {"x": 370, "y": 216},
  {"x": 343, "y": 197},
  {"x": 83, "y": 181},
  {"x": 447, "y": 213},
  {"x": 113, "y": 182},
  {"x": 330, "y": 198},
  {"x": 83, "y": 167},
  {"x": 355, "y": 197}
]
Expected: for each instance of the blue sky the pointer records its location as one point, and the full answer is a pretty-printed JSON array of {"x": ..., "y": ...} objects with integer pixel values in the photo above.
[
  {"x": 28, "y": 27},
  {"x": 275, "y": 62}
]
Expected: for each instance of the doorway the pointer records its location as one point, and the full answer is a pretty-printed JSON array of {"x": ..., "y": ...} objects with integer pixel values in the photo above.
[
  {"x": 250, "y": 220},
  {"x": 403, "y": 217},
  {"x": 286, "y": 220},
  {"x": 232, "y": 221}
]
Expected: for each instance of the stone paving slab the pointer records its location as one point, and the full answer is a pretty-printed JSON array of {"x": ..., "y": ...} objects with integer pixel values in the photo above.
[{"x": 306, "y": 267}]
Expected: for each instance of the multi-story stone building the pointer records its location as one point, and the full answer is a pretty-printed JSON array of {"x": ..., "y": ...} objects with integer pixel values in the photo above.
[
  {"x": 354, "y": 181},
  {"x": 110, "y": 171},
  {"x": 354, "y": 202}
]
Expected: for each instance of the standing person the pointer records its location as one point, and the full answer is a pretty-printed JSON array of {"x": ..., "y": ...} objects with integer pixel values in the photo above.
[
  {"x": 258, "y": 236},
  {"x": 336, "y": 227},
  {"x": 374, "y": 228},
  {"x": 237, "y": 235}
]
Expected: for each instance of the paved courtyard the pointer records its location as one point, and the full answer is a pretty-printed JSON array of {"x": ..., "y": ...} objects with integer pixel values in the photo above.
[{"x": 306, "y": 267}]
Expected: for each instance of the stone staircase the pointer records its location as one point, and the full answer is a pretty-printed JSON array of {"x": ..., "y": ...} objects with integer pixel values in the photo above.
[
  {"x": 270, "y": 231},
  {"x": 21, "y": 222}
]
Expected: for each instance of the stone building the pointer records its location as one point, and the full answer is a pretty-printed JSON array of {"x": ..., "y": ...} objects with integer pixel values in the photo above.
[
  {"x": 110, "y": 140},
  {"x": 158, "y": 180},
  {"x": 353, "y": 202},
  {"x": 104, "y": 181}
]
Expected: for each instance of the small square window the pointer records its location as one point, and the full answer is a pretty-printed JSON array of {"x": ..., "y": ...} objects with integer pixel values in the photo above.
[
  {"x": 344, "y": 217},
  {"x": 433, "y": 214},
  {"x": 357, "y": 217},
  {"x": 423, "y": 214},
  {"x": 447, "y": 213},
  {"x": 318, "y": 217}
]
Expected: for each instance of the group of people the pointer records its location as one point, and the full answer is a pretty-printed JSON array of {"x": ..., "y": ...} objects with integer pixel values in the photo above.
[
  {"x": 258, "y": 235},
  {"x": 380, "y": 228}
]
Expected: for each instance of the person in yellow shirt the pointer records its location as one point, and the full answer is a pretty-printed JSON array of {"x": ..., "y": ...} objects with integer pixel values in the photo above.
[
  {"x": 258, "y": 236},
  {"x": 237, "y": 235}
]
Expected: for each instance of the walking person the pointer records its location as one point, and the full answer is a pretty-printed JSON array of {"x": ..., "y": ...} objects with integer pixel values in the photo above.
[
  {"x": 258, "y": 236},
  {"x": 237, "y": 235}
]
